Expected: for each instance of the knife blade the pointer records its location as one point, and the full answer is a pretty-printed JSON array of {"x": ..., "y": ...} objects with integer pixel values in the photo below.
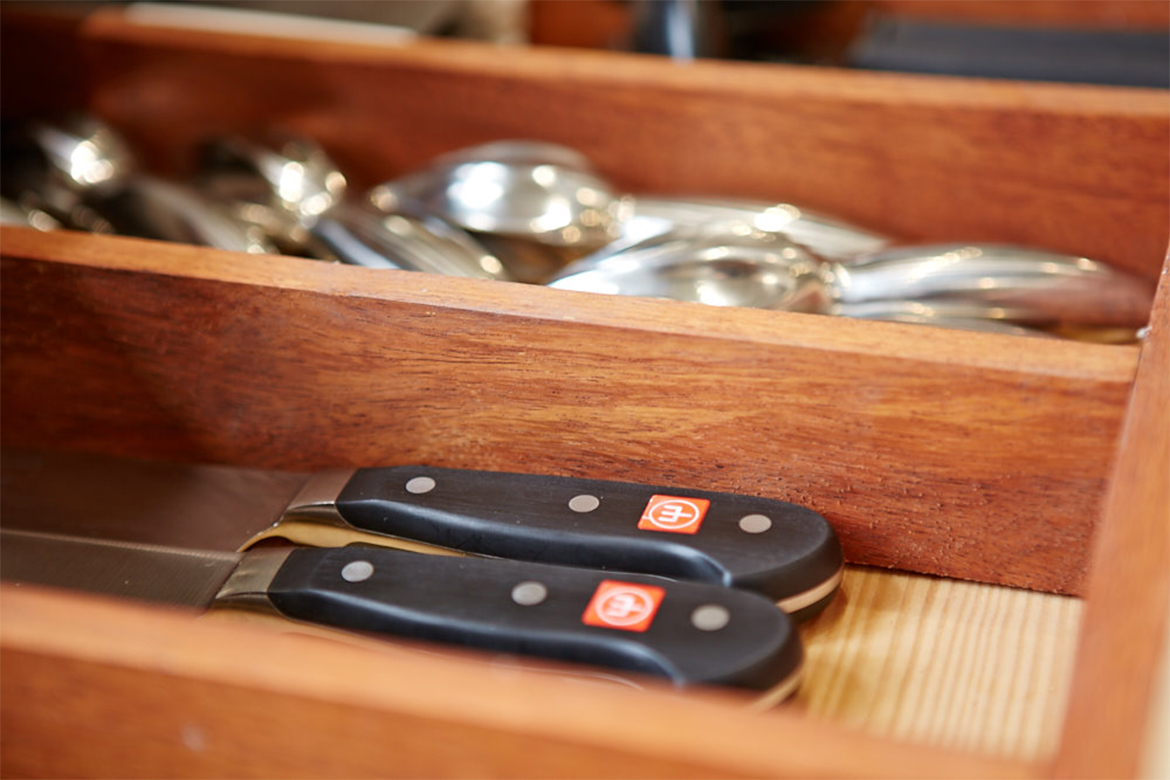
[
  {"x": 786, "y": 552},
  {"x": 689, "y": 633}
]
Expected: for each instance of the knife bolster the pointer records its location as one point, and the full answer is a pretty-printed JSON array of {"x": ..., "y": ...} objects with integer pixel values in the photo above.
[
  {"x": 247, "y": 587},
  {"x": 317, "y": 499}
]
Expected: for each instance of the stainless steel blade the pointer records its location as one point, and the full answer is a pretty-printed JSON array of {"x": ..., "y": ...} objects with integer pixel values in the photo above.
[
  {"x": 125, "y": 569},
  {"x": 183, "y": 506}
]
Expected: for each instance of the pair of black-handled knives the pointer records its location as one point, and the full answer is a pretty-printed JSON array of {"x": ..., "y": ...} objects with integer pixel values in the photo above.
[{"x": 674, "y": 582}]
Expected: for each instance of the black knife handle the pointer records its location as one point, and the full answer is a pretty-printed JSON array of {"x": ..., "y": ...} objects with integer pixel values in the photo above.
[
  {"x": 688, "y": 632},
  {"x": 779, "y": 549}
]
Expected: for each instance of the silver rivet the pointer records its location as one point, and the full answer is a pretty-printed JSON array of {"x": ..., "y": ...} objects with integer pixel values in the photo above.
[
  {"x": 710, "y": 617},
  {"x": 584, "y": 503},
  {"x": 755, "y": 524},
  {"x": 530, "y": 593},
  {"x": 420, "y": 485},
  {"x": 357, "y": 571}
]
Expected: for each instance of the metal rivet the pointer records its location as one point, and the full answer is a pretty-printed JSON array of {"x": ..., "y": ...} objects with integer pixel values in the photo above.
[
  {"x": 357, "y": 571},
  {"x": 420, "y": 485},
  {"x": 530, "y": 593},
  {"x": 755, "y": 524},
  {"x": 584, "y": 503},
  {"x": 710, "y": 617}
]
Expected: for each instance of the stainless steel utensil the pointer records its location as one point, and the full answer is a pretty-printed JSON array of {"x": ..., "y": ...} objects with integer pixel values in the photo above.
[
  {"x": 942, "y": 314},
  {"x": 281, "y": 183},
  {"x": 536, "y": 205},
  {"x": 830, "y": 238},
  {"x": 1029, "y": 285},
  {"x": 53, "y": 167},
  {"x": 363, "y": 237},
  {"x": 13, "y": 213},
  {"x": 751, "y": 267},
  {"x": 149, "y": 207},
  {"x": 81, "y": 173},
  {"x": 289, "y": 186}
]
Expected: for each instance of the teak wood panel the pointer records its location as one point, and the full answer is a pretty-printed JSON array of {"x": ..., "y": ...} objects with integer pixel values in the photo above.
[
  {"x": 922, "y": 157},
  {"x": 1124, "y": 638},
  {"x": 1090, "y": 14},
  {"x": 969, "y": 455},
  {"x": 98, "y": 688}
]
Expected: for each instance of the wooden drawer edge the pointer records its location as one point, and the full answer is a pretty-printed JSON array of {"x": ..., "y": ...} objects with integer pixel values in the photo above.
[{"x": 548, "y": 725}]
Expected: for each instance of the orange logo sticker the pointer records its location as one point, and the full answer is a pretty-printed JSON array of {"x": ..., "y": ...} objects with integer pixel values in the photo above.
[
  {"x": 674, "y": 514},
  {"x": 623, "y": 605}
]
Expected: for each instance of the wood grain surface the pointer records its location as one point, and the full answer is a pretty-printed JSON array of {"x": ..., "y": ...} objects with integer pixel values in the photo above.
[
  {"x": 1090, "y": 14},
  {"x": 953, "y": 664},
  {"x": 99, "y": 688},
  {"x": 943, "y": 452},
  {"x": 1129, "y": 608},
  {"x": 967, "y": 454},
  {"x": 922, "y": 157}
]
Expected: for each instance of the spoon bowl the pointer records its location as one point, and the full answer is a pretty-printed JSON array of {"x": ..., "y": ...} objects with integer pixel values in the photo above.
[
  {"x": 740, "y": 266},
  {"x": 751, "y": 268},
  {"x": 536, "y": 205}
]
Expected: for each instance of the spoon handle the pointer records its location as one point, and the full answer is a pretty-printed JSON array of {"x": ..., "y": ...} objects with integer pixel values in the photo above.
[{"x": 1039, "y": 286}]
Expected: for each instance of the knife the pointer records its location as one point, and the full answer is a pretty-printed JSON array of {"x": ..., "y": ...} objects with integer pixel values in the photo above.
[
  {"x": 690, "y": 633},
  {"x": 784, "y": 551}
]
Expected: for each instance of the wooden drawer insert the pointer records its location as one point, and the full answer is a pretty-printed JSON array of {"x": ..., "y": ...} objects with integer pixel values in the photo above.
[{"x": 1021, "y": 463}]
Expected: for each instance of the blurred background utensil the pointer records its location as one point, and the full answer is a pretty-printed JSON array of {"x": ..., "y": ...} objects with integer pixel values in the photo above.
[
  {"x": 82, "y": 174},
  {"x": 536, "y": 205},
  {"x": 706, "y": 264},
  {"x": 289, "y": 186},
  {"x": 55, "y": 167},
  {"x": 536, "y": 211},
  {"x": 748, "y": 266},
  {"x": 13, "y": 213},
  {"x": 1032, "y": 285},
  {"x": 830, "y": 238}
]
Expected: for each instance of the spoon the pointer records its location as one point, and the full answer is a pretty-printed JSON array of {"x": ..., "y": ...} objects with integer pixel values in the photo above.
[
  {"x": 148, "y": 207},
  {"x": 13, "y": 213},
  {"x": 537, "y": 205},
  {"x": 706, "y": 264},
  {"x": 1037, "y": 286},
  {"x": 81, "y": 173},
  {"x": 52, "y": 168},
  {"x": 281, "y": 183},
  {"x": 291, "y": 187},
  {"x": 363, "y": 237},
  {"x": 828, "y": 237},
  {"x": 946, "y": 314},
  {"x": 751, "y": 267}
]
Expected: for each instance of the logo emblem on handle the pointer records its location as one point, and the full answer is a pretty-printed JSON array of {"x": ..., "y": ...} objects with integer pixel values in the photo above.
[
  {"x": 674, "y": 514},
  {"x": 623, "y": 605}
]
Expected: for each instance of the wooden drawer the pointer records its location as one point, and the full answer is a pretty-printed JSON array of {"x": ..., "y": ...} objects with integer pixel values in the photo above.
[{"x": 1037, "y": 467}]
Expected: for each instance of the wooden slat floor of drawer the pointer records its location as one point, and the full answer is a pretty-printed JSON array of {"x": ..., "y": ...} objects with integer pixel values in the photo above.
[{"x": 953, "y": 664}]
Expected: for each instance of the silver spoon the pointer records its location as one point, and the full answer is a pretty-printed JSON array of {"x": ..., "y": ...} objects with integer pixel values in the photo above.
[
  {"x": 13, "y": 213},
  {"x": 1037, "y": 286},
  {"x": 53, "y": 167},
  {"x": 946, "y": 314},
  {"x": 291, "y": 187},
  {"x": 828, "y": 237},
  {"x": 282, "y": 183},
  {"x": 82, "y": 173},
  {"x": 762, "y": 269},
  {"x": 536, "y": 205},
  {"x": 149, "y": 207},
  {"x": 705, "y": 264}
]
